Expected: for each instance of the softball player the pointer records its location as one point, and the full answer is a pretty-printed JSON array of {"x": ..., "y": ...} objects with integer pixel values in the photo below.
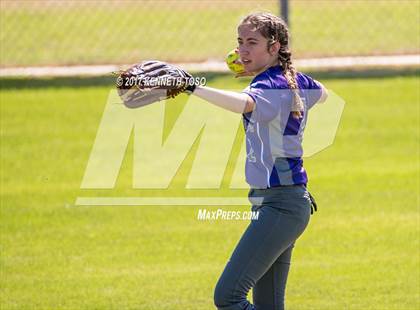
[{"x": 274, "y": 108}]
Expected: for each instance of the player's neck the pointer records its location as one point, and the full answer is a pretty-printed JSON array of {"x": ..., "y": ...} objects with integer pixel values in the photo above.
[{"x": 274, "y": 63}]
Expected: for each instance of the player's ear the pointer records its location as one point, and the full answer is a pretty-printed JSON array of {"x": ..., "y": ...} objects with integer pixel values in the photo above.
[{"x": 274, "y": 48}]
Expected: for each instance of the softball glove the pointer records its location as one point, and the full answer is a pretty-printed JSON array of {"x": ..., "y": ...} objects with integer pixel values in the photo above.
[{"x": 152, "y": 81}]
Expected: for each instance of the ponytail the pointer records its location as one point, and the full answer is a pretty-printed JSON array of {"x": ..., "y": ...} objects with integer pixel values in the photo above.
[{"x": 289, "y": 72}]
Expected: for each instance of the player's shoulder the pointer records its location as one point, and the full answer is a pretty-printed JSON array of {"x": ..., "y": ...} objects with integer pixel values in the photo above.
[
  {"x": 302, "y": 75},
  {"x": 305, "y": 81}
]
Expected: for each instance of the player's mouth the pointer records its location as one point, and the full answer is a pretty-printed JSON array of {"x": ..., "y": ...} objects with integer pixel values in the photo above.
[{"x": 246, "y": 61}]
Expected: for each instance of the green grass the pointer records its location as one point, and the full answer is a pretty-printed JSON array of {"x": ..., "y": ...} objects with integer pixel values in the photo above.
[
  {"x": 69, "y": 33},
  {"x": 360, "y": 250}
]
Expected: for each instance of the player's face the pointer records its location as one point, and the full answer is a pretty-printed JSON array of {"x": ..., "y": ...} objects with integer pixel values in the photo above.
[{"x": 253, "y": 50}]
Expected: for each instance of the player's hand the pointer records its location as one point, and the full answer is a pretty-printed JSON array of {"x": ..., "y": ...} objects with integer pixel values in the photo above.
[{"x": 242, "y": 74}]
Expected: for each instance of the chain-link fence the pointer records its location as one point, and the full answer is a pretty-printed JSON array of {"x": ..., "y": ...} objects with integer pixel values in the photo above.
[{"x": 116, "y": 32}]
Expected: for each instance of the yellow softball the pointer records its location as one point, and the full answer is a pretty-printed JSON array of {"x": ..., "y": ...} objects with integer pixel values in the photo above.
[{"x": 231, "y": 57}]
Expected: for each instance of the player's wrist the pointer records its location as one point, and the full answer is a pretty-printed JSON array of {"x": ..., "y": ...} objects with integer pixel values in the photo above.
[{"x": 190, "y": 89}]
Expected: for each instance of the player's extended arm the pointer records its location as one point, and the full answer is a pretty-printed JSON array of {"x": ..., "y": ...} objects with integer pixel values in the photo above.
[{"x": 229, "y": 100}]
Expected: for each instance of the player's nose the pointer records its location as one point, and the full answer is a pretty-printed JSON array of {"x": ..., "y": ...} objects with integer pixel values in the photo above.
[{"x": 243, "y": 51}]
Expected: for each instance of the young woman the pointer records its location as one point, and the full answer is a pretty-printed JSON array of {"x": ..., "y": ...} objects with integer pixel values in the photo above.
[{"x": 274, "y": 109}]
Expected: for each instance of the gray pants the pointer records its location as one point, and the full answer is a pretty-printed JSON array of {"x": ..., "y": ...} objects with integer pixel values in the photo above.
[{"x": 262, "y": 257}]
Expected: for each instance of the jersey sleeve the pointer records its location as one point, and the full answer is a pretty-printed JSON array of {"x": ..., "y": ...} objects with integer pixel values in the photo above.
[
  {"x": 311, "y": 88},
  {"x": 267, "y": 100}
]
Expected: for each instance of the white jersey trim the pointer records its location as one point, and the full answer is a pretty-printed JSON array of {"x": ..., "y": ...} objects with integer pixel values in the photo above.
[{"x": 262, "y": 153}]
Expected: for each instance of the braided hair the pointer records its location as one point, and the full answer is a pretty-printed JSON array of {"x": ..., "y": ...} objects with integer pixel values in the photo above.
[{"x": 275, "y": 30}]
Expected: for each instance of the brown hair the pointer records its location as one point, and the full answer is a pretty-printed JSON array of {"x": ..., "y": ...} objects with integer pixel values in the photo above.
[{"x": 275, "y": 29}]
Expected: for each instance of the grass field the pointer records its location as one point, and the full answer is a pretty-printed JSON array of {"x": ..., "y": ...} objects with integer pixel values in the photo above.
[
  {"x": 360, "y": 251},
  {"x": 80, "y": 32}
]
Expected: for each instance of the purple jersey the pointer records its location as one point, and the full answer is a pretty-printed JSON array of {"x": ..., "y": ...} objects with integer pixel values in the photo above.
[{"x": 273, "y": 135}]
